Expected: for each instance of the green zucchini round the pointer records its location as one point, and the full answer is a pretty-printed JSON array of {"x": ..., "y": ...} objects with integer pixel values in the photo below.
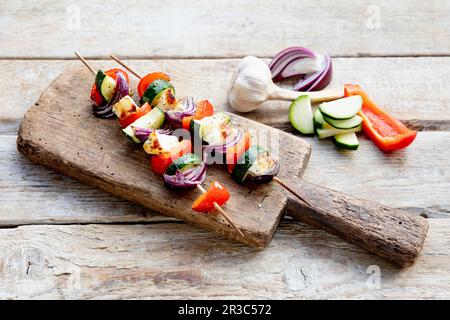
[
  {"x": 183, "y": 163},
  {"x": 155, "y": 89},
  {"x": 245, "y": 162}
]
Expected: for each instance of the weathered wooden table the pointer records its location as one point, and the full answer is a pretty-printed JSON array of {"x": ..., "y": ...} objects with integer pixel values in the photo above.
[{"x": 62, "y": 239}]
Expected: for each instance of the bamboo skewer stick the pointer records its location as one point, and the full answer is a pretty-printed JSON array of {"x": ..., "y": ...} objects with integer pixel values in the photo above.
[
  {"x": 125, "y": 66},
  {"x": 85, "y": 63},
  {"x": 285, "y": 186},
  {"x": 199, "y": 187}
]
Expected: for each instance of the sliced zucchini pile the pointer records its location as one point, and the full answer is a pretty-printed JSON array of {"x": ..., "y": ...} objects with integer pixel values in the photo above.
[{"x": 337, "y": 119}]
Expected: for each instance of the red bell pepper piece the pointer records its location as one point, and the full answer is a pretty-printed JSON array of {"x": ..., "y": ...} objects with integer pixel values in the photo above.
[
  {"x": 132, "y": 117},
  {"x": 217, "y": 193},
  {"x": 148, "y": 79},
  {"x": 96, "y": 97},
  {"x": 204, "y": 109},
  {"x": 236, "y": 151},
  {"x": 387, "y": 132},
  {"x": 162, "y": 162}
]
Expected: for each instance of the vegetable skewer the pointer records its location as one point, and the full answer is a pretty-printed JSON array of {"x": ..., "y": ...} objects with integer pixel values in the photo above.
[
  {"x": 278, "y": 180},
  {"x": 199, "y": 187}
]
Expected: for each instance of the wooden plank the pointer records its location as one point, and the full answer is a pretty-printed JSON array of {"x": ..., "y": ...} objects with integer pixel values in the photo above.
[
  {"x": 416, "y": 178},
  {"x": 178, "y": 261},
  {"x": 420, "y": 95},
  {"x": 223, "y": 28},
  {"x": 61, "y": 133}
]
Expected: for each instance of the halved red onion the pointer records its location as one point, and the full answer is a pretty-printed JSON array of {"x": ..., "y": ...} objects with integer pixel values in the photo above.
[
  {"x": 175, "y": 117},
  {"x": 122, "y": 90},
  {"x": 313, "y": 70},
  {"x": 189, "y": 178},
  {"x": 143, "y": 133}
]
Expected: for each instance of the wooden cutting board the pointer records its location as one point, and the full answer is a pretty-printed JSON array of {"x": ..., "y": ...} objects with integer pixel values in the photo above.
[{"x": 60, "y": 132}]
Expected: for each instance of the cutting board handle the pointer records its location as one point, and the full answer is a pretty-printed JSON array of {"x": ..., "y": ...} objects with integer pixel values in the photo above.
[{"x": 388, "y": 232}]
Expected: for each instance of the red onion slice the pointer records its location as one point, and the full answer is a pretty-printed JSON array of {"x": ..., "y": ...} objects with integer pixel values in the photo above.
[
  {"x": 189, "y": 178},
  {"x": 143, "y": 133},
  {"x": 313, "y": 70},
  {"x": 175, "y": 117},
  {"x": 222, "y": 148}
]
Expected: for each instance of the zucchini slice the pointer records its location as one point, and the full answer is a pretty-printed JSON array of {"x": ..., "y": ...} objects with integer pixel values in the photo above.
[
  {"x": 341, "y": 109},
  {"x": 318, "y": 119},
  {"x": 152, "y": 120},
  {"x": 183, "y": 163},
  {"x": 153, "y": 90},
  {"x": 329, "y": 131},
  {"x": 301, "y": 116},
  {"x": 99, "y": 79},
  {"x": 347, "y": 141},
  {"x": 245, "y": 162},
  {"x": 108, "y": 88},
  {"x": 345, "y": 124}
]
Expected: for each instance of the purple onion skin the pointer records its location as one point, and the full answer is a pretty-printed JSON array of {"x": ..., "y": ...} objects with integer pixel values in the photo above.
[
  {"x": 188, "y": 179},
  {"x": 307, "y": 82},
  {"x": 321, "y": 81},
  {"x": 175, "y": 118}
]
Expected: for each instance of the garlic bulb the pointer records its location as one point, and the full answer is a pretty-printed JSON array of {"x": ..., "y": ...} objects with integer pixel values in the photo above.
[{"x": 251, "y": 85}]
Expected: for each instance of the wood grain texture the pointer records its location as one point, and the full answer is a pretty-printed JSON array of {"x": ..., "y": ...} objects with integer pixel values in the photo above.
[
  {"x": 419, "y": 95},
  {"x": 178, "y": 261},
  {"x": 417, "y": 179},
  {"x": 223, "y": 28},
  {"x": 60, "y": 132},
  {"x": 390, "y": 233}
]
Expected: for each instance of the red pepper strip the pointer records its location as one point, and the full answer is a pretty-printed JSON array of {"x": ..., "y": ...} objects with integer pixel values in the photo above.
[
  {"x": 216, "y": 193},
  {"x": 148, "y": 79},
  {"x": 387, "y": 132},
  {"x": 235, "y": 152},
  {"x": 204, "y": 109},
  {"x": 96, "y": 96},
  {"x": 132, "y": 117},
  {"x": 162, "y": 162}
]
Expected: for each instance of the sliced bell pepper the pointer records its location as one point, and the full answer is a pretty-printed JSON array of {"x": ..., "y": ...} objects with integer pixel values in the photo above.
[
  {"x": 386, "y": 132},
  {"x": 132, "y": 117},
  {"x": 148, "y": 79},
  {"x": 96, "y": 97},
  {"x": 204, "y": 109},
  {"x": 235, "y": 152},
  {"x": 162, "y": 162},
  {"x": 216, "y": 193}
]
